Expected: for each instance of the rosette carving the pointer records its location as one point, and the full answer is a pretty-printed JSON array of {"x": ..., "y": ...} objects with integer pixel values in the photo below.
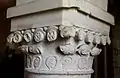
[
  {"x": 39, "y": 35},
  {"x": 28, "y": 35},
  {"x": 17, "y": 37},
  {"x": 52, "y": 33}
]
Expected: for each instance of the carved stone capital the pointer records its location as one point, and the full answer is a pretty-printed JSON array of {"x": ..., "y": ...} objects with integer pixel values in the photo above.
[{"x": 58, "y": 50}]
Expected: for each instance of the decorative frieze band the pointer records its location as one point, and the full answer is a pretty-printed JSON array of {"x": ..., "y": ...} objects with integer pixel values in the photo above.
[
  {"x": 50, "y": 33},
  {"x": 73, "y": 34}
]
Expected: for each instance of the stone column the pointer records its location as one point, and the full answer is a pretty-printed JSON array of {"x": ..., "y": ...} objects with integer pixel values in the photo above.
[{"x": 59, "y": 38}]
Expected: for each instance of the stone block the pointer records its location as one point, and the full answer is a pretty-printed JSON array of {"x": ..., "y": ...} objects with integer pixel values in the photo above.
[{"x": 103, "y": 4}]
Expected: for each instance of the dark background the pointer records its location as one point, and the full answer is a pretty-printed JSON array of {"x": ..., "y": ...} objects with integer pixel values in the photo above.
[{"x": 12, "y": 64}]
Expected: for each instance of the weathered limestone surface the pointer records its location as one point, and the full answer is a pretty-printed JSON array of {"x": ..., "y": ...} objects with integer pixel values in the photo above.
[{"x": 59, "y": 38}]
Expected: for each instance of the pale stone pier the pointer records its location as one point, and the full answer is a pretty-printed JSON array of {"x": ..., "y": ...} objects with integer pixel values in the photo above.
[{"x": 59, "y": 38}]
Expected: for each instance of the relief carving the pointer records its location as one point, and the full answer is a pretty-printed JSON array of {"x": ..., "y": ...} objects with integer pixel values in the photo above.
[
  {"x": 95, "y": 51},
  {"x": 96, "y": 38},
  {"x": 89, "y": 37},
  {"x": 51, "y": 62},
  {"x": 37, "y": 61},
  {"x": 103, "y": 40},
  {"x": 10, "y": 38},
  {"x": 52, "y": 33},
  {"x": 81, "y": 34},
  {"x": 67, "y": 31},
  {"x": 38, "y": 50},
  {"x": 68, "y": 48},
  {"x": 29, "y": 61},
  {"x": 35, "y": 49},
  {"x": 39, "y": 35},
  {"x": 28, "y": 35},
  {"x": 79, "y": 43},
  {"x": 17, "y": 37},
  {"x": 66, "y": 62},
  {"x": 85, "y": 63},
  {"x": 31, "y": 48},
  {"x": 24, "y": 48},
  {"x": 84, "y": 49}
]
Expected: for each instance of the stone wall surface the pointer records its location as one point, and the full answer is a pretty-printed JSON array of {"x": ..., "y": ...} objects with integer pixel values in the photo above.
[{"x": 59, "y": 38}]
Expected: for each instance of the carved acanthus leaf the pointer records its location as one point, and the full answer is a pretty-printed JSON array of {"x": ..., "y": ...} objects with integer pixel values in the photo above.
[
  {"x": 95, "y": 51},
  {"x": 103, "y": 40},
  {"x": 84, "y": 49},
  {"x": 39, "y": 35},
  {"x": 89, "y": 37},
  {"x": 67, "y": 49},
  {"x": 81, "y": 34},
  {"x": 96, "y": 39}
]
